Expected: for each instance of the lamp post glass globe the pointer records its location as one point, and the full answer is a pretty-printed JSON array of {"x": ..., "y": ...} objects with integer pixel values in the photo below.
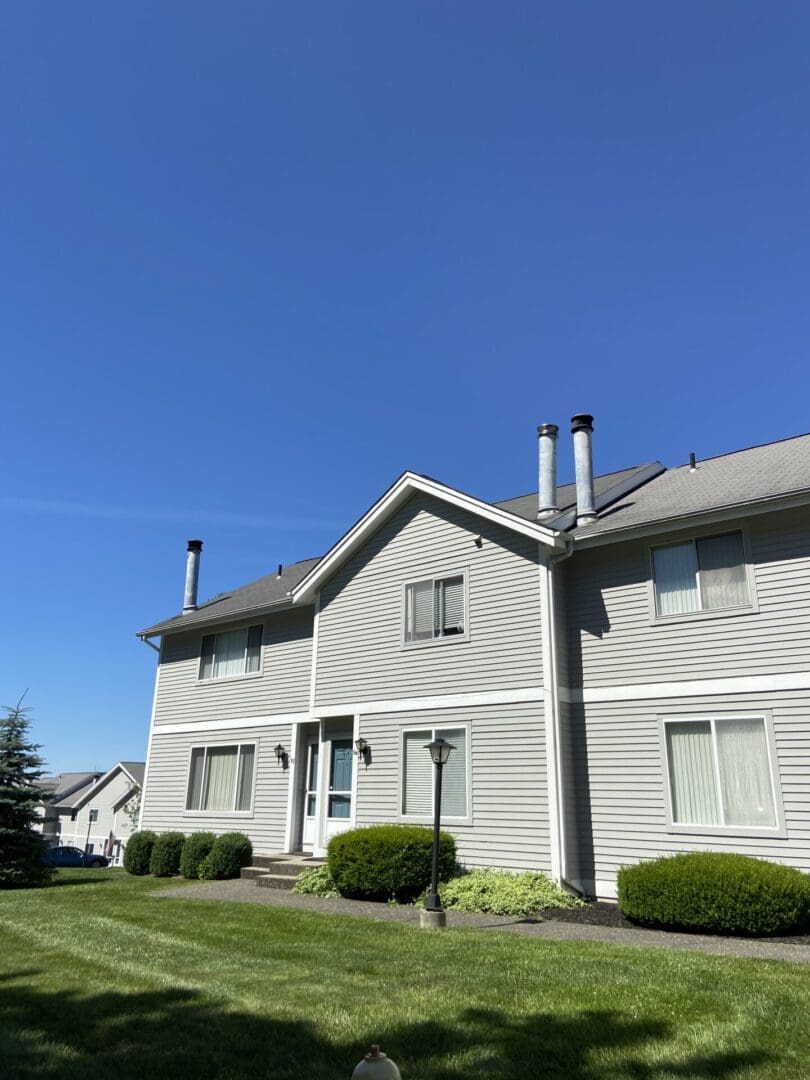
[{"x": 439, "y": 751}]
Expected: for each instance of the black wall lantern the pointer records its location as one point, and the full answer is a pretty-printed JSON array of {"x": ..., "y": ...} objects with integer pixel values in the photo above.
[
  {"x": 363, "y": 749},
  {"x": 281, "y": 755}
]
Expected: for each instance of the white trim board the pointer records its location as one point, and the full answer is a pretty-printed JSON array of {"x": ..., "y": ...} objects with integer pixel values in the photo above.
[
  {"x": 739, "y": 684},
  {"x": 227, "y": 725},
  {"x": 442, "y": 701}
]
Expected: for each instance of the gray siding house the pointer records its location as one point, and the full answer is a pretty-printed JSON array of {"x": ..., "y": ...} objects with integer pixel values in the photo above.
[
  {"x": 622, "y": 665},
  {"x": 96, "y": 812}
]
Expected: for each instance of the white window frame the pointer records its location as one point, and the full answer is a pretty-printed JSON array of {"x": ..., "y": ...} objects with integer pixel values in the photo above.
[
  {"x": 432, "y": 730},
  {"x": 239, "y": 744},
  {"x": 778, "y": 830},
  {"x": 751, "y": 607},
  {"x": 215, "y": 679},
  {"x": 433, "y": 578}
]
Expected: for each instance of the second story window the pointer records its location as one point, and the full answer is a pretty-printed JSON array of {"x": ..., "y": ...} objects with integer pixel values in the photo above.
[
  {"x": 434, "y": 609},
  {"x": 235, "y": 652},
  {"x": 700, "y": 575}
]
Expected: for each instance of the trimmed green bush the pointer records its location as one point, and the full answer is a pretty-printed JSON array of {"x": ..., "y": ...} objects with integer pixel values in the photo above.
[
  {"x": 384, "y": 862},
  {"x": 195, "y": 849},
  {"x": 316, "y": 882},
  {"x": 499, "y": 892},
  {"x": 716, "y": 893},
  {"x": 165, "y": 858},
  {"x": 138, "y": 852},
  {"x": 229, "y": 854}
]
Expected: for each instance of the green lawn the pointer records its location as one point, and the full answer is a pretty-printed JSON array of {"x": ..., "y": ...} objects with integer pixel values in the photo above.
[{"x": 100, "y": 979}]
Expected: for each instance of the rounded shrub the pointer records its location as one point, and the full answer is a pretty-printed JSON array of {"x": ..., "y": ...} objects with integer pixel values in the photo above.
[
  {"x": 138, "y": 852},
  {"x": 166, "y": 851},
  {"x": 716, "y": 893},
  {"x": 384, "y": 862},
  {"x": 195, "y": 849},
  {"x": 230, "y": 852}
]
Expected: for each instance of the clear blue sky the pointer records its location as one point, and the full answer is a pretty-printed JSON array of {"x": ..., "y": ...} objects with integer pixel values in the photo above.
[{"x": 256, "y": 259}]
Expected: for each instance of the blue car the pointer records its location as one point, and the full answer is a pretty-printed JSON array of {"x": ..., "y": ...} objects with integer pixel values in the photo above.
[{"x": 73, "y": 856}]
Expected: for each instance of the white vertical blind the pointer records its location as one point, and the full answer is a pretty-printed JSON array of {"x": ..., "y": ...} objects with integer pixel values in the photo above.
[
  {"x": 454, "y": 780},
  {"x": 417, "y": 789},
  {"x": 675, "y": 568},
  {"x": 745, "y": 774},
  {"x": 195, "y": 778},
  {"x": 220, "y": 778},
  {"x": 723, "y": 581},
  {"x": 452, "y": 606},
  {"x": 244, "y": 790},
  {"x": 420, "y": 611},
  {"x": 229, "y": 653},
  {"x": 691, "y": 773}
]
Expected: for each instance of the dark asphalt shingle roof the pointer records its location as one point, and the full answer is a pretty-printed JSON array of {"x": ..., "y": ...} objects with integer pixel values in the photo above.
[
  {"x": 525, "y": 506},
  {"x": 71, "y": 787},
  {"x": 262, "y": 593},
  {"x": 135, "y": 769},
  {"x": 753, "y": 475}
]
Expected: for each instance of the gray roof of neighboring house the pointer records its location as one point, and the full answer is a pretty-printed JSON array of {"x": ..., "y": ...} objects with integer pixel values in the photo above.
[
  {"x": 71, "y": 786},
  {"x": 264, "y": 593},
  {"x": 525, "y": 506},
  {"x": 135, "y": 769},
  {"x": 743, "y": 477}
]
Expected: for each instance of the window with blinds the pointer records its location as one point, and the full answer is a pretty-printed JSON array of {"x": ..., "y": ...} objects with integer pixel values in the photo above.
[
  {"x": 707, "y": 574},
  {"x": 720, "y": 772},
  {"x": 235, "y": 652},
  {"x": 434, "y": 609},
  {"x": 419, "y": 774},
  {"x": 220, "y": 778}
]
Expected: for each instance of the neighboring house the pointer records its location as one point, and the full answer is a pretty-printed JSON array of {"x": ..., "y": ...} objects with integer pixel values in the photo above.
[
  {"x": 98, "y": 813},
  {"x": 61, "y": 789},
  {"x": 621, "y": 664}
]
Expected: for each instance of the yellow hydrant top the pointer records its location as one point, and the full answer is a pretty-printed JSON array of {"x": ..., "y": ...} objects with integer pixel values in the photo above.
[{"x": 376, "y": 1066}]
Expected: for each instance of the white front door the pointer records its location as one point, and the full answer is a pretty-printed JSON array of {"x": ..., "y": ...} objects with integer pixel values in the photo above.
[
  {"x": 339, "y": 800},
  {"x": 311, "y": 796}
]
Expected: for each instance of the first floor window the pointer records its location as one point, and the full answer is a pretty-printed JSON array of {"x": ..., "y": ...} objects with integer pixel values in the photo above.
[
  {"x": 221, "y": 778},
  {"x": 434, "y": 609},
  {"x": 93, "y": 817},
  {"x": 700, "y": 575},
  {"x": 235, "y": 652},
  {"x": 720, "y": 772},
  {"x": 419, "y": 774}
]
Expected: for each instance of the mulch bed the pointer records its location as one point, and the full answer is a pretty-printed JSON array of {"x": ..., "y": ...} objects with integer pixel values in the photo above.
[{"x": 599, "y": 913}]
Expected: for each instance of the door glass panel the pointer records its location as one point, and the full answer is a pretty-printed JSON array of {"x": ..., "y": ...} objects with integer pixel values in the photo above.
[
  {"x": 340, "y": 778},
  {"x": 340, "y": 806},
  {"x": 312, "y": 779},
  {"x": 311, "y": 805}
]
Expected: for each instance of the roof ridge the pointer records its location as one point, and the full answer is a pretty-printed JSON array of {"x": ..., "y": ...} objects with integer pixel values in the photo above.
[{"x": 743, "y": 449}]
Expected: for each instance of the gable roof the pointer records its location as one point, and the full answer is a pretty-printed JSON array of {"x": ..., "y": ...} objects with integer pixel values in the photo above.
[
  {"x": 133, "y": 769},
  {"x": 743, "y": 480},
  {"x": 70, "y": 787},
  {"x": 263, "y": 594},
  {"x": 399, "y": 492}
]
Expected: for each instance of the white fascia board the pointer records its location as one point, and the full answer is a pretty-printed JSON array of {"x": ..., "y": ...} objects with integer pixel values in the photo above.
[
  {"x": 237, "y": 615},
  {"x": 99, "y": 784},
  {"x": 407, "y": 485},
  {"x": 694, "y": 521}
]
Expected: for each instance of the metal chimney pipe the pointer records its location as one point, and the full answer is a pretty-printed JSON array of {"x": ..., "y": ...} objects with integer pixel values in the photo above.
[
  {"x": 192, "y": 575},
  {"x": 547, "y": 446},
  {"x": 582, "y": 430}
]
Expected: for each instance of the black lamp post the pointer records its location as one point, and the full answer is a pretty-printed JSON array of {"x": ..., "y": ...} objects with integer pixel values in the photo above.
[{"x": 439, "y": 753}]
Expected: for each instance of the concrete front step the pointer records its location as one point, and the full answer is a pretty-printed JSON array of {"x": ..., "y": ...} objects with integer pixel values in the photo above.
[
  {"x": 300, "y": 861},
  {"x": 275, "y": 881}
]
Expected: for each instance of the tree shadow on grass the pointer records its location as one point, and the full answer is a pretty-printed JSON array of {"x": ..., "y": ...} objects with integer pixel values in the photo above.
[{"x": 178, "y": 1033}]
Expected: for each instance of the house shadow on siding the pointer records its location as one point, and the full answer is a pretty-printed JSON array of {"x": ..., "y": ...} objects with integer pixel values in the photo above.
[{"x": 179, "y": 1033}]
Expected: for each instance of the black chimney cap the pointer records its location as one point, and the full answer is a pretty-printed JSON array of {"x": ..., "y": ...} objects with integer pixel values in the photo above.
[
  {"x": 581, "y": 422},
  {"x": 548, "y": 429},
  {"x": 194, "y": 545}
]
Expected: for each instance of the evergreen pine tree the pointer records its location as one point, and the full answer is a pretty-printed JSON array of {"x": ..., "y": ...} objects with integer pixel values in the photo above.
[{"x": 21, "y": 844}]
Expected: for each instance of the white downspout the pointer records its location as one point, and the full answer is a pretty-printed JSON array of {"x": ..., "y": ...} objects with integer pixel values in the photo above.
[{"x": 551, "y": 708}]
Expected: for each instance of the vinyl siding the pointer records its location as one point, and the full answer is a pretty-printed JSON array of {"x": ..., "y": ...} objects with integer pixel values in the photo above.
[
  {"x": 360, "y": 651},
  {"x": 613, "y": 638},
  {"x": 109, "y": 820},
  {"x": 281, "y": 686},
  {"x": 167, "y": 784},
  {"x": 510, "y": 826},
  {"x": 620, "y": 816}
]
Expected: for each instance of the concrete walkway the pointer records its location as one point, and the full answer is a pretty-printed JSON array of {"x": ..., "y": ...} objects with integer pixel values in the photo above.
[{"x": 246, "y": 892}]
